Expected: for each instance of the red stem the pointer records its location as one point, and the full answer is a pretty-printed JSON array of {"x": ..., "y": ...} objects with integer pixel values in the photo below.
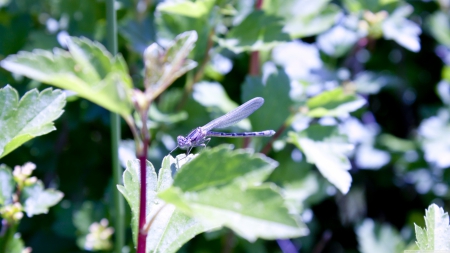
[
  {"x": 142, "y": 235},
  {"x": 254, "y": 56}
]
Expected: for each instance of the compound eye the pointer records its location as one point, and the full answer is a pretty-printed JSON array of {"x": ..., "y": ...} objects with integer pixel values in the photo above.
[{"x": 181, "y": 140}]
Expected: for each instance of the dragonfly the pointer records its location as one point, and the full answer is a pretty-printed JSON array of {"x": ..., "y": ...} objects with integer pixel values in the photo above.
[{"x": 199, "y": 136}]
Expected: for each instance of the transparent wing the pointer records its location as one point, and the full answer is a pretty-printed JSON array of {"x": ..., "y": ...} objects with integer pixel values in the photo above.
[{"x": 235, "y": 115}]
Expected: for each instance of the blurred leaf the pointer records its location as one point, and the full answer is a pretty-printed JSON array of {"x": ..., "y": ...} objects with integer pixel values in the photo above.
[
  {"x": 304, "y": 18},
  {"x": 337, "y": 41},
  {"x": 87, "y": 69},
  {"x": 275, "y": 91},
  {"x": 15, "y": 245},
  {"x": 368, "y": 157},
  {"x": 326, "y": 149},
  {"x": 197, "y": 9},
  {"x": 374, "y": 239},
  {"x": 367, "y": 82},
  {"x": 31, "y": 116},
  {"x": 435, "y": 235},
  {"x": 83, "y": 218},
  {"x": 370, "y": 5},
  {"x": 158, "y": 116},
  {"x": 7, "y": 185},
  {"x": 403, "y": 31},
  {"x": 4, "y": 2},
  {"x": 228, "y": 191},
  {"x": 435, "y": 138},
  {"x": 396, "y": 144},
  {"x": 173, "y": 19},
  {"x": 439, "y": 26},
  {"x": 446, "y": 73},
  {"x": 170, "y": 228},
  {"x": 336, "y": 102},
  {"x": 163, "y": 67},
  {"x": 38, "y": 200},
  {"x": 257, "y": 32},
  {"x": 443, "y": 90}
]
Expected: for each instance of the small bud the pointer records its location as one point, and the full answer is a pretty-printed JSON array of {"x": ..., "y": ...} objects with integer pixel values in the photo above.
[
  {"x": 30, "y": 181},
  {"x": 28, "y": 168},
  {"x": 18, "y": 216},
  {"x": 27, "y": 250}
]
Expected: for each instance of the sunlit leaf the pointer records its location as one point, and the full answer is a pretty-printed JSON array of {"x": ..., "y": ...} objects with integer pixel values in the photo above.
[
  {"x": 336, "y": 102},
  {"x": 372, "y": 239},
  {"x": 7, "y": 185},
  {"x": 302, "y": 17},
  {"x": 87, "y": 69},
  {"x": 38, "y": 200},
  {"x": 439, "y": 25},
  {"x": 371, "y": 83},
  {"x": 15, "y": 245},
  {"x": 373, "y": 6},
  {"x": 435, "y": 235},
  {"x": 131, "y": 190},
  {"x": 227, "y": 189},
  {"x": 195, "y": 9},
  {"x": 31, "y": 116},
  {"x": 435, "y": 137},
  {"x": 337, "y": 41},
  {"x": 328, "y": 150},
  {"x": 258, "y": 31},
  {"x": 401, "y": 30}
]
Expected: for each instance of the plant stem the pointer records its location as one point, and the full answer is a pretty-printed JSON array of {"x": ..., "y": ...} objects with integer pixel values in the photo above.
[
  {"x": 254, "y": 56},
  {"x": 119, "y": 223},
  {"x": 142, "y": 156},
  {"x": 142, "y": 236}
]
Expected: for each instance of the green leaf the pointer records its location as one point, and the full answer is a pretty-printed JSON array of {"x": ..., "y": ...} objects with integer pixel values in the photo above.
[
  {"x": 31, "y": 116},
  {"x": 87, "y": 69},
  {"x": 277, "y": 103},
  {"x": 374, "y": 238},
  {"x": 357, "y": 6},
  {"x": 435, "y": 236},
  {"x": 302, "y": 17},
  {"x": 38, "y": 200},
  {"x": 197, "y": 9},
  {"x": 439, "y": 26},
  {"x": 257, "y": 32},
  {"x": 224, "y": 187},
  {"x": 15, "y": 245},
  {"x": 336, "y": 102},
  {"x": 328, "y": 150},
  {"x": 171, "y": 228},
  {"x": 7, "y": 185},
  {"x": 131, "y": 190}
]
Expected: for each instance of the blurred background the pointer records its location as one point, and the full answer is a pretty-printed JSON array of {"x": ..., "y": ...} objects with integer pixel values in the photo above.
[{"x": 394, "y": 54}]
